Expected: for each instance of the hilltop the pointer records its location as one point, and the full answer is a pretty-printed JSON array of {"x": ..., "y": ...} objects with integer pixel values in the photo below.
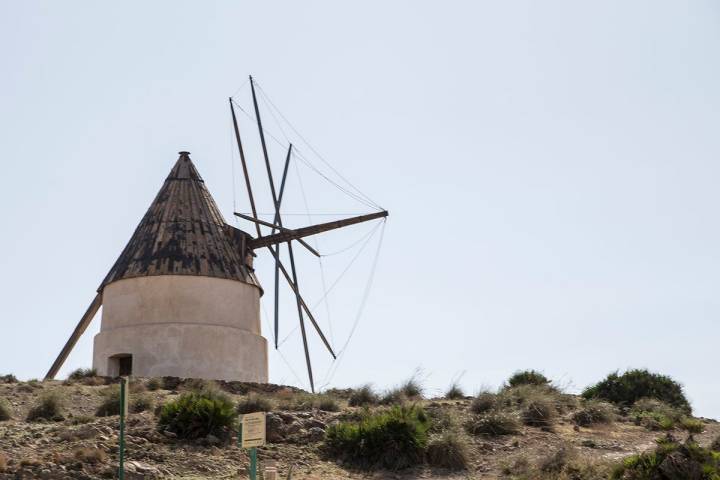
[{"x": 516, "y": 433}]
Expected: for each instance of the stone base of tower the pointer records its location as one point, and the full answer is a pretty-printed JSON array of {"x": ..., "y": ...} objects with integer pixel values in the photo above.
[
  {"x": 181, "y": 326},
  {"x": 182, "y": 350}
]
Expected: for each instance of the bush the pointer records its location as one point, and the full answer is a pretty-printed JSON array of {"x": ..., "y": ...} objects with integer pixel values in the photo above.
[
  {"x": 483, "y": 402},
  {"x": 5, "y": 410},
  {"x": 448, "y": 450},
  {"x": 455, "y": 392},
  {"x": 90, "y": 455},
  {"x": 328, "y": 403},
  {"x": 197, "y": 414},
  {"x": 412, "y": 388},
  {"x": 593, "y": 412},
  {"x": 493, "y": 424},
  {"x": 671, "y": 461},
  {"x": 9, "y": 378},
  {"x": 81, "y": 419},
  {"x": 154, "y": 384},
  {"x": 82, "y": 373},
  {"x": 111, "y": 402},
  {"x": 692, "y": 425},
  {"x": 655, "y": 415},
  {"x": 393, "y": 397},
  {"x": 528, "y": 377},
  {"x": 254, "y": 403},
  {"x": 539, "y": 413},
  {"x": 50, "y": 406},
  {"x": 393, "y": 439},
  {"x": 631, "y": 386},
  {"x": 363, "y": 396}
]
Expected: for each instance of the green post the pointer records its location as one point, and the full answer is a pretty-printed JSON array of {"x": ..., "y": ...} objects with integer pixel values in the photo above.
[
  {"x": 253, "y": 463},
  {"x": 252, "y": 453},
  {"x": 123, "y": 408}
]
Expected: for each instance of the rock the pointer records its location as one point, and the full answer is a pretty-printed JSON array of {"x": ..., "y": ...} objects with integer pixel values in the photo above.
[
  {"x": 141, "y": 471},
  {"x": 314, "y": 423},
  {"x": 211, "y": 439},
  {"x": 293, "y": 428},
  {"x": 274, "y": 428},
  {"x": 169, "y": 434},
  {"x": 316, "y": 434},
  {"x": 287, "y": 417}
]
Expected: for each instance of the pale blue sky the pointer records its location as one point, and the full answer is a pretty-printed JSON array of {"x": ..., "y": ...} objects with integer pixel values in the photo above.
[{"x": 550, "y": 168}]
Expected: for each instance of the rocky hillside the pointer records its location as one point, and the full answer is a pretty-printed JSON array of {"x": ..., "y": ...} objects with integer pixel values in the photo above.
[{"x": 516, "y": 433}]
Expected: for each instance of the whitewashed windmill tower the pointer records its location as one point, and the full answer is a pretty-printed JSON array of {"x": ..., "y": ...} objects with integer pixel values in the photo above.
[{"x": 182, "y": 299}]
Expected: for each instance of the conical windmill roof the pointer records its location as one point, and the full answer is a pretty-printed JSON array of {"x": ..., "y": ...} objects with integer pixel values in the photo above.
[{"x": 182, "y": 233}]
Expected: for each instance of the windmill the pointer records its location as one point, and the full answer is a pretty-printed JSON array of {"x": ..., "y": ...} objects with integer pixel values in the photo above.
[{"x": 182, "y": 299}]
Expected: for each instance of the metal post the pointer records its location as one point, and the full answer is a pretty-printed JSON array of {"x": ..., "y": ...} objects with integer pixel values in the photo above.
[
  {"x": 253, "y": 463},
  {"x": 123, "y": 408}
]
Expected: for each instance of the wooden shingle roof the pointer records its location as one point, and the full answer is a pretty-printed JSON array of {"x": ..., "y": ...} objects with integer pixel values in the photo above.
[{"x": 183, "y": 233}]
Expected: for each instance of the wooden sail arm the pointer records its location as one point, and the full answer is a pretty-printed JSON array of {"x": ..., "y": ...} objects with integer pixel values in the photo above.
[
  {"x": 286, "y": 235},
  {"x": 79, "y": 330},
  {"x": 282, "y": 229}
]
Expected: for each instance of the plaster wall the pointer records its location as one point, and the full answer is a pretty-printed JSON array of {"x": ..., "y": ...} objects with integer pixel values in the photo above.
[{"x": 184, "y": 326}]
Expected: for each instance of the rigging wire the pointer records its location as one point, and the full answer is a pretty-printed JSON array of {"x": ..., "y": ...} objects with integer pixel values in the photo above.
[
  {"x": 341, "y": 354},
  {"x": 309, "y": 164},
  {"x": 262, "y": 91},
  {"x": 320, "y": 261},
  {"x": 339, "y": 277}
]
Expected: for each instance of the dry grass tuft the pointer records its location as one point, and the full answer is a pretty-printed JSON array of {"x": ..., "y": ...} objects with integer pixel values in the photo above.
[
  {"x": 455, "y": 392},
  {"x": 493, "y": 424},
  {"x": 49, "y": 406},
  {"x": 5, "y": 410},
  {"x": 448, "y": 450},
  {"x": 363, "y": 396},
  {"x": 254, "y": 403},
  {"x": 483, "y": 402},
  {"x": 594, "y": 412}
]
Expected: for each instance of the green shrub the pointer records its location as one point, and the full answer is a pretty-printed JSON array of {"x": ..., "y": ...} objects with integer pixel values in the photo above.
[
  {"x": 196, "y": 414},
  {"x": 593, "y": 412},
  {"x": 82, "y": 373},
  {"x": 9, "y": 378},
  {"x": 539, "y": 413},
  {"x": 671, "y": 461},
  {"x": 454, "y": 392},
  {"x": 528, "y": 377},
  {"x": 49, "y": 406},
  {"x": 692, "y": 425},
  {"x": 493, "y": 424},
  {"x": 254, "y": 403},
  {"x": 483, "y": 402},
  {"x": 5, "y": 410},
  {"x": 363, "y": 396},
  {"x": 655, "y": 415},
  {"x": 448, "y": 450},
  {"x": 393, "y": 439},
  {"x": 631, "y": 386}
]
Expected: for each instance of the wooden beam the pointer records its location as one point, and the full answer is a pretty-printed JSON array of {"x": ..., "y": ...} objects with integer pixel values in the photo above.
[
  {"x": 277, "y": 227},
  {"x": 76, "y": 334},
  {"x": 299, "y": 233},
  {"x": 244, "y": 167}
]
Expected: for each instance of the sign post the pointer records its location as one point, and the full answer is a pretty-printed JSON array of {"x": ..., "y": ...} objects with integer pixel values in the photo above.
[
  {"x": 251, "y": 436},
  {"x": 124, "y": 382}
]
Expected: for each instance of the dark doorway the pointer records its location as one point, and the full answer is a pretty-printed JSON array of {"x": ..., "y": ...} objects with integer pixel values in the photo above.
[
  {"x": 125, "y": 364},
  {"x": 120, "y": 365}
]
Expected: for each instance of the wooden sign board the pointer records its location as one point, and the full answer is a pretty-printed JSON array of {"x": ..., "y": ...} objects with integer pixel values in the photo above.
[{"x": 253, "y": 430}]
